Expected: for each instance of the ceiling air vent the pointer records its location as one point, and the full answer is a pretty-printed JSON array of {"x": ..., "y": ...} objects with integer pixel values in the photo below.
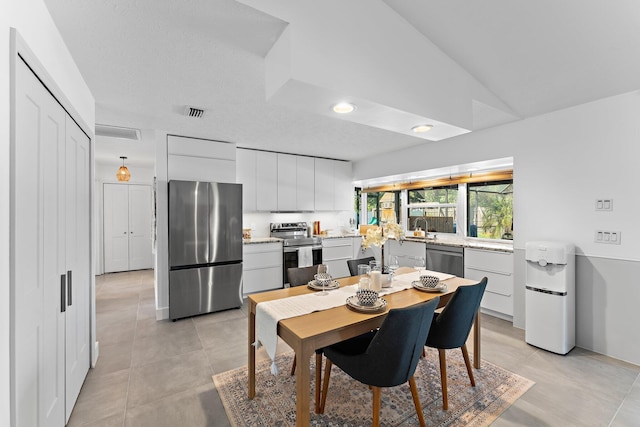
[
  {"x": 198, "y": 113},
  {"x": 117, "y": 132}
]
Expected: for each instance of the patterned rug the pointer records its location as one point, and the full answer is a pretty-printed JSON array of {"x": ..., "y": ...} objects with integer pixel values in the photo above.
[{"x": 349, "y": 402}]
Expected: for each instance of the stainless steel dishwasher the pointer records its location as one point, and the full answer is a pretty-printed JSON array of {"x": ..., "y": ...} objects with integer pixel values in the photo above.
[{"x": 445, "y": 259}]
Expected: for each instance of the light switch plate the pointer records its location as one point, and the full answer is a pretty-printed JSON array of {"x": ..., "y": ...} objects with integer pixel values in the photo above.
[
  {"x": 608, "y": 236},
  {"x": 604, "y": 204}
]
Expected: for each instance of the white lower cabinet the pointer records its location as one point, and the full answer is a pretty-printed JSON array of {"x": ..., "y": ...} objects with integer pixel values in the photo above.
[
  {"x": 261, "y": 267},
  {"x": 498, "y": 268},
  {"x": 335, "y": 253},
  {"x": 407, "y": 252}
]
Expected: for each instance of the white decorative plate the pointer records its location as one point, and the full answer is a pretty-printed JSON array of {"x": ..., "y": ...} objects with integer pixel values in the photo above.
[
  {"x": 316, "y": 287},
  {"x": 379, "y": 305},
  {"x": 440, "y": 287}
]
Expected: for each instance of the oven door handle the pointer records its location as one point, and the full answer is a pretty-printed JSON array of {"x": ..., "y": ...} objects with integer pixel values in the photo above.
[{"x": 288, "y": 249}]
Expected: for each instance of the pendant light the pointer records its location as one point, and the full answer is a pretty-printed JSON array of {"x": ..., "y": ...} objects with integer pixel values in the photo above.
[{"x": 123, "y": 173}]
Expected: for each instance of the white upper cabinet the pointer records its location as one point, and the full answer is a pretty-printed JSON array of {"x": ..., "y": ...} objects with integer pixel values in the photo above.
[
  {"x": 324, "y": 185},
  {"x": 266, "y": 181},
  {"x": 287, "y": 182},
  {"x": 342, "y": 187},
  {"x": 246, "y": 175},
  {"x": 333, "y": 186},
  {"x": 305, "y": 183},
  {"x": 193, "y": 159}
]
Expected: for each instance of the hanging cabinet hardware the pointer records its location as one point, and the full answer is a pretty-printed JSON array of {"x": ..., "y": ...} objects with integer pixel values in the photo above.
[
  {"x": 69, "y": 288},
  {"x": 63, "y": 293}
]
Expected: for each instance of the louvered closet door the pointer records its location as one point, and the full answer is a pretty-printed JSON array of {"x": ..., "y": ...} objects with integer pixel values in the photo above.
[
  {"x": 116, "y": 228},
  {"x": 39, "y": 254},
  {"x": 78, "y": 262}
]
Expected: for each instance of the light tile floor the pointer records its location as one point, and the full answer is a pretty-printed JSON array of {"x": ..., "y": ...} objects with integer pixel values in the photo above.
[{"x": 158, "y": 373}]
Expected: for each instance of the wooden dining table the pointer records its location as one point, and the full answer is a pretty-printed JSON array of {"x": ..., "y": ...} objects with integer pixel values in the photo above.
[{"x": 306, "y": 333}]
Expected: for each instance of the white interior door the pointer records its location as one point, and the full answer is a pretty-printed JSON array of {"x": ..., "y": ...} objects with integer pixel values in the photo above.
[
  {"x": 140, "y": 246},
  {"x": 77, "y": 259},
  {"x": 116, "y": 228},
  {"x": 39, "y": 254}
]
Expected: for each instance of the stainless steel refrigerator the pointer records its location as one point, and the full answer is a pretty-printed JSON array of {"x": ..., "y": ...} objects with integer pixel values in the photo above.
[{"x": 205, "y": 247}]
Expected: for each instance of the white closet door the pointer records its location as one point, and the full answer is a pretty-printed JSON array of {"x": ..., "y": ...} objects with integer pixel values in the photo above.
[
  {"x": 116, "y": 228},
  {"x": 39, "y": 251},
  {"x": 140, "y": 250},
  {"x": 77, "y": 259}
]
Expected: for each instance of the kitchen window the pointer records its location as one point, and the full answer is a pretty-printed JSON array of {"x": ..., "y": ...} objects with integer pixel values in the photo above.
[
  {"x": 383, "y": 207},
  {"x": 433, "y": 209},
  {"x": 490, "y": 210}
]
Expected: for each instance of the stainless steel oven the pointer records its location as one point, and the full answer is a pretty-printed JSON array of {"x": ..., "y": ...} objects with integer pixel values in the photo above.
[{"x": 294, "y": 236}]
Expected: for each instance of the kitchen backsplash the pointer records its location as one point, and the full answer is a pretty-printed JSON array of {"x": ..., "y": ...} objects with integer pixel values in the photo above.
[{"x": 333, "y": 222}]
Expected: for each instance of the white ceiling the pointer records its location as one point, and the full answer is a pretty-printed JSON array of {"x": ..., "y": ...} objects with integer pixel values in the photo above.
[{"x": 145, "y": 60}]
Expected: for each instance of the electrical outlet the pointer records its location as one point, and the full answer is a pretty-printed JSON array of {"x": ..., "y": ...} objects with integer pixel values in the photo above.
[
  {"x": 608, "y": 236},
  {"x": 604, "y": 204}
]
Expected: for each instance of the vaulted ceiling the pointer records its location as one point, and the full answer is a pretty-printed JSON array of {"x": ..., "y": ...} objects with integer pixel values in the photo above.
[{"x": 268, "y": 71}]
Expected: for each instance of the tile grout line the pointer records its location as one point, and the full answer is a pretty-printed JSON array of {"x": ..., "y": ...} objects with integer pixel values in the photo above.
[
  {"x": 636, "y": 381},
  {"x": 133, "y": 343}
]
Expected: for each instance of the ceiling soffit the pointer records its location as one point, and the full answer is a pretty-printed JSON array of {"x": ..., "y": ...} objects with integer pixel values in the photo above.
[{"x": 332, "y": 51}]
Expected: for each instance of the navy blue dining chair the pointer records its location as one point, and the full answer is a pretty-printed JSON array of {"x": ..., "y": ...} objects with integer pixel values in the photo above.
[
  {"x": 354, "y": 263},
  {"x": 450, "y": 329},
  {"x": 387, "y": 357}
]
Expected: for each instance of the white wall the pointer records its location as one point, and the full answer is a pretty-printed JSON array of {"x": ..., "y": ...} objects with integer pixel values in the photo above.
[
  {"x": 563, "y": 161},
  {"x": 32, "y": 20}
]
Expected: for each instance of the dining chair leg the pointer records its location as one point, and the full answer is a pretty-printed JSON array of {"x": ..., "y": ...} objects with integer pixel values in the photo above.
[
  {"x": 416, "y": 400},
  {"x": 318, "y": 379},
  {"x": 443, "y": 378},
  {"x": 325, "y": 384},
  {"x": 376, "y": 406},
  {"x": 293, "y": 366},
  {"x": 465, "y": 355}
]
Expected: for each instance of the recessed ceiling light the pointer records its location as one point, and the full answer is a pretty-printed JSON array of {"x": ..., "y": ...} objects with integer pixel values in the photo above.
[
  {"x": 343, "y": 108},
  {"x": 421, "y": 128}
]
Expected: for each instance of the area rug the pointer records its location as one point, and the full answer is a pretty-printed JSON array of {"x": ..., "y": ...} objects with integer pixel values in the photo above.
[{"x": 349, "y": 402}]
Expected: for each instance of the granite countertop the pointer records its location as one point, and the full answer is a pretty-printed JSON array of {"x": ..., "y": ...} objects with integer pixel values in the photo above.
[
  {"x": 461, "y": 242},
  {"x": 261, "y": 240},
  {"x": 337, "y": 236}
]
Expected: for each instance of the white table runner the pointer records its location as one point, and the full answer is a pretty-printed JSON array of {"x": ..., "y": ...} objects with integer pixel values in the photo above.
[{"x": 269, "y": 313}]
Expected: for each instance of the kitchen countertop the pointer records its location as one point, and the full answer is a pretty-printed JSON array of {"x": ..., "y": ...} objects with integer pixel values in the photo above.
[
  {"x": 461, "y": 242},
  {"x": 261, "y": 240},
  {"x": 440, "y": 240}
]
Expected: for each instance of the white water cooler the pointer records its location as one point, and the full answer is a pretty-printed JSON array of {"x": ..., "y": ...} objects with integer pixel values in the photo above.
[{"x": 550, "y": 296}]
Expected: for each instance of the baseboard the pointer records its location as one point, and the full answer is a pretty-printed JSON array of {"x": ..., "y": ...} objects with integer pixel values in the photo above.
[
  {"x": 162, "y": 313},
  {"x": 497, "y": 314},
  {"x": 95, "y": 354}
]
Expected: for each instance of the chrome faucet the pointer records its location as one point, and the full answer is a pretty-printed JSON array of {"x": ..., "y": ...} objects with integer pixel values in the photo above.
[{"x": 426, "y": 225}]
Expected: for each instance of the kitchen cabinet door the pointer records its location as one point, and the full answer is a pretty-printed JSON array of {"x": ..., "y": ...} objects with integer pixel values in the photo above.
[
  {"x": 266, "y": 181},
  {"x": 323, "y": 185},
  {"x": 305, "y": 171},
  {"x": 407, "y": 252},
  {"x": 287, "y": 182},
  {"x": 246, "y": 175},
  {"x": 261, "y": 267},
  {"x": 498, "y": 268},
  {"x": 343, "y": 195},
  {"x": 336, "y": 253}
]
